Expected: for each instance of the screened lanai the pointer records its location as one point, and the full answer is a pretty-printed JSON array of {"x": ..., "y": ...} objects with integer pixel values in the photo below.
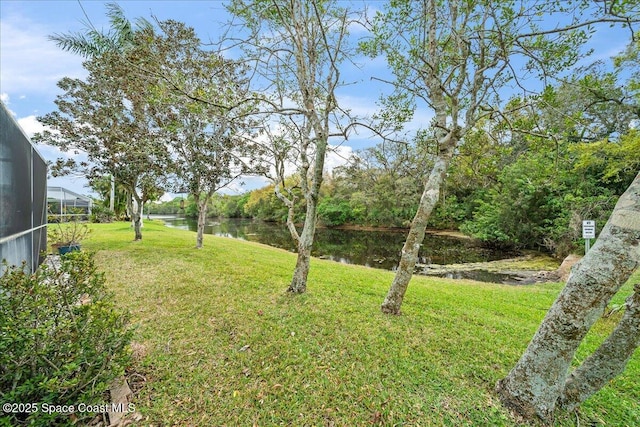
[
  {"x": 64, "y": 204},
  {"x": 23, "y": 179}
]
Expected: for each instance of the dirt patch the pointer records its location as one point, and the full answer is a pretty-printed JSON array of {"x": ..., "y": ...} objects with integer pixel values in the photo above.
[{"x": 522, "y": 270}]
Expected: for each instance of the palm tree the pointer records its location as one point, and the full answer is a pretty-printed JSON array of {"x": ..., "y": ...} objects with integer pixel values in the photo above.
[{"x": 91, "y": 42}]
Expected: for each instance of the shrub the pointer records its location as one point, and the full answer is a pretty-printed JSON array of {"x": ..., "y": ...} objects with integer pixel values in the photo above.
[
  {"x": 67, "y": 233},
  {"x": 101, "y": 214},
  {"x": 334, "y": 212},
  {"x": 62, "y": 340}
]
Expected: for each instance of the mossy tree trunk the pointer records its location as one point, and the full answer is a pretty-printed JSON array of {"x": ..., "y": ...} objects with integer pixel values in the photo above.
[
  {"x": 410, "y": 251},
  {"x": 540, "y": 380},
  {"x": 608, "y": 361}
]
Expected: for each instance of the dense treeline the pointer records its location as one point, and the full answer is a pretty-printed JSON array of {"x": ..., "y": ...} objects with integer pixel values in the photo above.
[
  {"x": 220, "y": 206},
  {"x": 530, "y": 198},
  {"x": 507, "y": 189}
]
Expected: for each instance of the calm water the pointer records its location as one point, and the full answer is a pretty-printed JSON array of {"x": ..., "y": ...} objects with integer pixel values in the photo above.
[{"x": 380, "y": 249}]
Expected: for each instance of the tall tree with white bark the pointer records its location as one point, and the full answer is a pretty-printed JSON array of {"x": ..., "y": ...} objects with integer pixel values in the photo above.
[
  {"x": 456, "y": 59},
  {"x": 541, "y": 381},
  {"x": 298, "y": 47}
]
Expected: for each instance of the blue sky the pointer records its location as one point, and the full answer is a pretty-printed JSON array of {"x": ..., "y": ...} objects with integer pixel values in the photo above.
[{"x": 31, "y": 65}]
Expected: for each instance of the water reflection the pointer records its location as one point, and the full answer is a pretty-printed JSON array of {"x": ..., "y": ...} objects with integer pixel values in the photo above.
[{"x": 379, "y": 249}]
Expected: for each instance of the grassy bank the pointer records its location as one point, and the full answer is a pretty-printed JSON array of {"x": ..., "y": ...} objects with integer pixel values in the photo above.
[{"x": 225, "y": 345}]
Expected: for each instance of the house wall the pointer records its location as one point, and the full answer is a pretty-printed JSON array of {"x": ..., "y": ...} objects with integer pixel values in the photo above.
[{"x": 23, "y": 196}]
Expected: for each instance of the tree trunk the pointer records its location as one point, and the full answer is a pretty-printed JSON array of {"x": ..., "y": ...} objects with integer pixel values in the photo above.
[
  {"x": 134, "y": 212},
  {"x": 608, "y": 360},
  {"x": 411, "y": 248},
  {"x": 135, "y": 202},
  {"x": 535, "y": 384},
  {"x": 299, "y": 281},
  {"x": 301, "y": 272},
  {"x": 137, "y": 222},
  {"x": 312, "y": 195},
  {"x": 202, "y": 220}
]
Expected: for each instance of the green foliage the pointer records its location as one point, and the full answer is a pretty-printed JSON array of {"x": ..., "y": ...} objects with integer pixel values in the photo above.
[
  {"x": 612, "y": 161},
  {"x": 334, "y": 213},
  {"x": 227, "y": 206},
  {"x": 264, "y": 204},
  {"x": 449, "y": 213},
  {"x": 102, "y": 186},
  {"x": 219, "y": 206},
  {"x": 91, "y": 42},
  {"x": 202, "y": 102},
  {"x": 540, "y": 205},
  {"x": 62, "y": 340},
  {"x": 101, "y": 213},
  {"x": 67, "y": 233},
  {"x": 170, "y": 207}
]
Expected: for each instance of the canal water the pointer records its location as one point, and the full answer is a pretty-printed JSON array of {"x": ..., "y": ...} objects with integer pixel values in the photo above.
[{"x": 372, "y": 248}]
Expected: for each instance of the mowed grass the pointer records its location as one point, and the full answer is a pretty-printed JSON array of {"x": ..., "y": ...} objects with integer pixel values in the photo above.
[{"x": 225, "y": 345}]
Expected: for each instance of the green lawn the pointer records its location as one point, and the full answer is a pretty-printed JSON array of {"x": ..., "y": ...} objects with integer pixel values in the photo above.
[{"x": 225, "y": 345}]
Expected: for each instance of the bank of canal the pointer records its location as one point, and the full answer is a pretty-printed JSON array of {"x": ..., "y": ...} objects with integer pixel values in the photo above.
[{"x": 442, "y": 254}]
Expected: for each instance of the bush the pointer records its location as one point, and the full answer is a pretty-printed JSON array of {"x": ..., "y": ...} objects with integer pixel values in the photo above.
[
  {"x": 334, "y": 212},
  {"x": 62, "y": 340},
  {"x": 101, "y": 214}
]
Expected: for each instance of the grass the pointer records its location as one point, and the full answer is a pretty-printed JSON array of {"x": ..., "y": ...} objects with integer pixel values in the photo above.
[{"x": 224, "y": 345}]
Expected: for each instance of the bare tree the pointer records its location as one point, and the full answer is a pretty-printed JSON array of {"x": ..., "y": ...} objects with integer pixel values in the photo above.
[
  {"x": 456, "y": 58},
  {"x": 297, "y": 47}
]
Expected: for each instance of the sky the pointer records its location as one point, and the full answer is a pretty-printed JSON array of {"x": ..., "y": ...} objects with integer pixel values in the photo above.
[{"x": 31, "y": 65}]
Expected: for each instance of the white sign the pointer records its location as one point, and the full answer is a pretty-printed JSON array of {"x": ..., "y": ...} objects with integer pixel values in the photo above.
[{"x": 588, "y": 229}]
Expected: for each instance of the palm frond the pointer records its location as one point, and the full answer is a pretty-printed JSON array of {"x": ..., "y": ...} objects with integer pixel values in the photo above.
[
  {"x": 93, "y": 42},
  {"x": 78, "y": 43},
  {"x": 121, "y": 29}
]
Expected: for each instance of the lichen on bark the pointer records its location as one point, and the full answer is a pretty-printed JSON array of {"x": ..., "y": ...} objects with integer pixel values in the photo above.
[{"x": 540, "y": 380}]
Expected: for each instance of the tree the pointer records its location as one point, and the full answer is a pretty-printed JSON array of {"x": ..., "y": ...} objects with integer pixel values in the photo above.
[
  {"x": 92, "y": 43},
  {"x": 380, "y": 184},
  {"x": 116, "y": 198},
  {"x": 570, "y": 158},
  {"x": 200, "y": 100},
  {"x": 457, "y": 58},
  {"x": 540, "y": 381},
  {"x": 108, "y": 118},
  {"x": 297, "y": 47}
]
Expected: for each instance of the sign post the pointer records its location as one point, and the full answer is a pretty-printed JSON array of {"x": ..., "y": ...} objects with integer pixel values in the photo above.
[{"x": 588, "y": 233}]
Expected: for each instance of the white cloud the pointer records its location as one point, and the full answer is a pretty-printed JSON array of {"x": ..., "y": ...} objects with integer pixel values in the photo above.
[
  {"x": 337, "y": 156},
  {"x": 4, "y": 97},
  {"x": 30, "y": 125},
  {"x": 30, "y": 62},
  {"x": 359, "y": 106}
]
